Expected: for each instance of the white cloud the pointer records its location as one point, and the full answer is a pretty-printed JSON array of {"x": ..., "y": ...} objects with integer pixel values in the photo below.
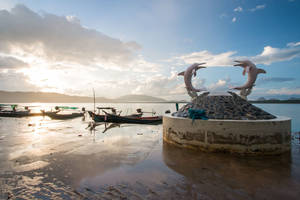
[
  {"x": 222, "y": 59},
  {"x": 258, "y": 7},
  {"x": 4, "y": 4},
  {"x": 220, "y": 85},
  {"x": 233, "y": 19},
  {"x": 73, "y": 19},
  {"x": 26, "y": 34},
  {"x": 157, "y": 85},
  {"x": 293, "y": 44},
  {"x": 238, "y": 9},
  {"x": 58, "y": 54},
  {"x": 268, "y": 56}
]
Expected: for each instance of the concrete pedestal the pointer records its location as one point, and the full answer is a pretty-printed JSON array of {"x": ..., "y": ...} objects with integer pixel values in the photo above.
[{"x": 251, "y": 137}]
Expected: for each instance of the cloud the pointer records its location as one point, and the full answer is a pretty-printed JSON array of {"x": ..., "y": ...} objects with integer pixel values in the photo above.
[
  {"x": 238, "y": 9},
  {"x": 157, "y": 85},
  {"x": 222, "y": 59},
  {"x": 284, "y": 91},
  {"x": 268, "y": 56},
  {"x": 258, "y": 7},
  {"x": 16, "y": 82},
  {"x": 6, "y": 4},
  {"x": 233, "y": 19},
  {"x": 293, "y": 44},
  {"x": 220, "y": 85},
  {"x": 53, "y": 38},
  {"x": 8, "y": 62},
  {"x": 73, "y": 19}
]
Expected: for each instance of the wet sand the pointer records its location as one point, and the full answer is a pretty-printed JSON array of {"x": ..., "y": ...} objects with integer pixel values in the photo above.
[{"x": 44, "y": 159}]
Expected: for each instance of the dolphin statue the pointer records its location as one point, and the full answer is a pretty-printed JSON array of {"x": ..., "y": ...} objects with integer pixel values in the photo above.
[
  {"x": 188, "y": 73},
  {"x": 252, "y": 70}
]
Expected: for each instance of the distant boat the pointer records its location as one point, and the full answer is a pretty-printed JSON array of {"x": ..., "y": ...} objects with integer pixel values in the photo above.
[
  {"x": 60, "y": 116},
  {"x": 10, "y": 113},
  {"x": 23, "y": 113},
  {"x": 17, "y": 113}
]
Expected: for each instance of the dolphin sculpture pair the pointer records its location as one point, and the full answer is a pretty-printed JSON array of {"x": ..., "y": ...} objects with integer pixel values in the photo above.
[{"x": 246, "y": 89}]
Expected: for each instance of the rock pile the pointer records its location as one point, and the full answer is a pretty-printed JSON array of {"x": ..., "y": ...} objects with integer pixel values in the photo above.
[{"x": 227, "y": 107}]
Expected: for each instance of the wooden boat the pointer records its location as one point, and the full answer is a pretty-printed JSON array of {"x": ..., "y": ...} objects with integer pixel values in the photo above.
[
  {"x": 10, "y": 110},
  {"x": 132, "y": 119},
  {"x": 22, "y": 113},
  {"x": 57, "y": 115},
  {"x": 102, "y": 117},
  {"x": 11, "y": 113}
]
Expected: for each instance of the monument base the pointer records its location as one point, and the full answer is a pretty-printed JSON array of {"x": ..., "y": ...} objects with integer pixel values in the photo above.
[{"x": 248, "y": 137}]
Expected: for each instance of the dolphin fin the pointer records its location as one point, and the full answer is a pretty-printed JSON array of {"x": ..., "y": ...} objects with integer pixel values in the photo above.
[
  {"x": 181, "y": 74},
  {"x": 261, "y": 71}
]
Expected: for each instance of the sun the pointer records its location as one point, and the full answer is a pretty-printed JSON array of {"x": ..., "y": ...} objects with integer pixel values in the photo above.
[{"x": 44, "y": 78}]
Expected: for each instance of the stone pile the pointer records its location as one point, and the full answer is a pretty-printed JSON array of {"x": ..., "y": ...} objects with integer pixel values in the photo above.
[{"x": 227, "y": 107}]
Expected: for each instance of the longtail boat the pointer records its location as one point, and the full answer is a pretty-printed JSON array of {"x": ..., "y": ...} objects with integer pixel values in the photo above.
[
  {"x": 101, "y": 116},
  {"x": 13, "y": 112},
  {"x": 61, "y": 115},
  {"x": 129, "y": 119}
]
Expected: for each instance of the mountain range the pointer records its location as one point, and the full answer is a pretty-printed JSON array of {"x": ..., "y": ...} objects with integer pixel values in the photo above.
[{"x": 46, "y": 97}]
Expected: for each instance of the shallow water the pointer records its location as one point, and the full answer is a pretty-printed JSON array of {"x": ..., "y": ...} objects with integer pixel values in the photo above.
[{"x": 51, "y": 159}]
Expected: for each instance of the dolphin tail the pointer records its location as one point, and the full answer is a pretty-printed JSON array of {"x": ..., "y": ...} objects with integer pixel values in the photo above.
[{"x": 181, "y": 74}]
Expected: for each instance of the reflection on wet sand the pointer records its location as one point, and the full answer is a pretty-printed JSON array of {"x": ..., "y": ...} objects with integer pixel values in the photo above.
[
  {"x": 222, "y": 176},
  {"x": 51, "y": 159},
  {"x": 50, "y": 155}
]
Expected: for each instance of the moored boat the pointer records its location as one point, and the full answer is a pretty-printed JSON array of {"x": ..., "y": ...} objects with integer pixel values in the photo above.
[
  {"x": 57, "y": 115},
  {"x": 132, "y": 119},
  {"x": 63, "y": 112},
  {"x": 11, "y": 113},
  {"x": 101, "y": 116},
  {"x": 10, "y": 110}
]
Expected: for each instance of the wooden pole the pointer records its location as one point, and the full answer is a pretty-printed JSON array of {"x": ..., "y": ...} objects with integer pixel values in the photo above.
[{"x": 94, "y": 101}]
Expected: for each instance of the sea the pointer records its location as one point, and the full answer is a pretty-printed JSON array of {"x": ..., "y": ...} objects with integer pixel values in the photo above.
[{"x": 42, "y": 158}]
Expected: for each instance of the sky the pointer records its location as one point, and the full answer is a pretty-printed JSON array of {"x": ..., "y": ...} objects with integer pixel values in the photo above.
[{"x": 122, "y": 47}]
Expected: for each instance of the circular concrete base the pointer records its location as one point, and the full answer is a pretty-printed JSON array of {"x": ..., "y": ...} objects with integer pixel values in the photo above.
[{"x": 251, "y": 137}]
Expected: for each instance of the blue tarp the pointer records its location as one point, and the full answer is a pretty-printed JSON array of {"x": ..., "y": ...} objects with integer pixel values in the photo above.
[{"x": 197, "y": 114}]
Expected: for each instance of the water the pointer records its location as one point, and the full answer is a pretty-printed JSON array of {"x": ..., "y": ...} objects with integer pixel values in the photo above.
[{"x": 50, "y": 159}]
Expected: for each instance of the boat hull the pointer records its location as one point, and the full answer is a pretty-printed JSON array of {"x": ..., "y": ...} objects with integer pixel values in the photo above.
[
  {"x": 63, "y": 116},
  {"x": 110, "y": 118}
]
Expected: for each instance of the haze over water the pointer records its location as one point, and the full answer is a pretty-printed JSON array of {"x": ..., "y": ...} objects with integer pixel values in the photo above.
[{"x": 51, "y": 159}]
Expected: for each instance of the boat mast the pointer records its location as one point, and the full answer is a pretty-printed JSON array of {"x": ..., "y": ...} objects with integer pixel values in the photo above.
[{"x": 94, "y": 101}]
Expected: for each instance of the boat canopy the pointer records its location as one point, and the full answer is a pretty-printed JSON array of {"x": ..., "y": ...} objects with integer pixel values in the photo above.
[{"x": 66, "y": 107}]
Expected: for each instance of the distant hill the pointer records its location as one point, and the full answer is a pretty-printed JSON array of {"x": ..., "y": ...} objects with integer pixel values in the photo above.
[
  {"x": 139, "y": 98},
  {"x": 46, "y": 97},
  {"x": 275, "y": 100}
]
